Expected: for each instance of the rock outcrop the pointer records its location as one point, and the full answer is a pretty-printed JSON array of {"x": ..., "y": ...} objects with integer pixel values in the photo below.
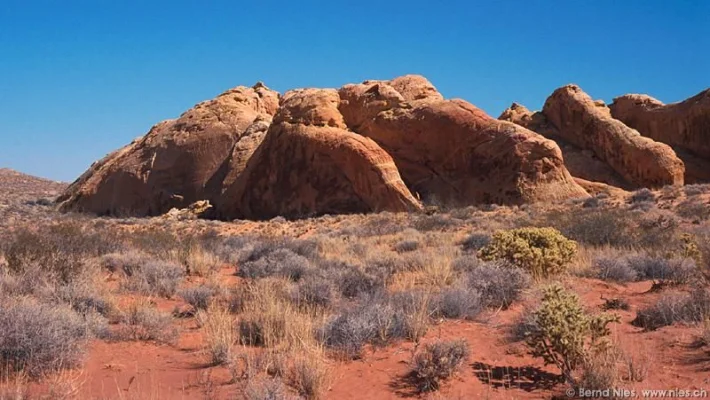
[
  {"x": 365, "y": 147},
  {"x": 581, "y": 163},
  {"x": 592, "y": 138},
  {"x": 685, "y": 126},
  {"x": 310, "y": 163},
  {"x": 178, "y": 162},
  {"x": 589, "y": 125},
  {"x": 451, "y": 151}
]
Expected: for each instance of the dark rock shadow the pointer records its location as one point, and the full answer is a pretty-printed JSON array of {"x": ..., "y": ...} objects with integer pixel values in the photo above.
[{"x": 524, "y": 378}]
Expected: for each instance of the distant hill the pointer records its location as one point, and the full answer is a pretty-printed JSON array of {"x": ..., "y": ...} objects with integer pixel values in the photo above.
[{"x": 16, "y": 186}]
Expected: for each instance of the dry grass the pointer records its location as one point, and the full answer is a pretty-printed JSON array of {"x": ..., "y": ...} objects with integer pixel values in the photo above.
[
  {"x": 268, "y": 318},
  {"x": 220, "y": 335}
]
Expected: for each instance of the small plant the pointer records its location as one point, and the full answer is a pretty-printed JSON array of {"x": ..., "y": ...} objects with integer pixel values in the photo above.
[
  {"x": 642, "y": 196},
  {"x": 541, "y": 251},
  {"x": 309, "y": 376},
  {"x": 37, "y": 338},
  {"x": 145, "y": 322},
  {"x": 275, "y": 263},
  {"x": 406, "y": 246},
  {"x": 458, "y": 303},
  {"x": 565, "y": 335},
  {"x": 199, "y": 297},
  {"x": 438, "y": 361},
  {"x": 675, "y": 307},
  {"x": 219, "y": 332},
  {"x": 499, "y": 283},
  {"x": 615, "y": 304},
  {"x": 476, "y": 241},
  {"x": 155, "y": 278},
  {"x": 614, "y": 269}
]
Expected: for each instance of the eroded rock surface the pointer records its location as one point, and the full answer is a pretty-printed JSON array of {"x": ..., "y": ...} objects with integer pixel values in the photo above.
[
  {"x": 178, "y": 162},
  {"x": 453, "y": 152},
  {"x": 311, "y": 164},
  {"x": 685, "y": 126},
  {"x": 588, "y": 124}
]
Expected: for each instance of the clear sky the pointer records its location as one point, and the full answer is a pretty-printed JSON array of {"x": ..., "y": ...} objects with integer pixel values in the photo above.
[{"x": 81, "y": 78}]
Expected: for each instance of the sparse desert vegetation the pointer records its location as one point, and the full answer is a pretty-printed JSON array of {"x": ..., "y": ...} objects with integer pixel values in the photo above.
[{"x": 308, "y": 308}]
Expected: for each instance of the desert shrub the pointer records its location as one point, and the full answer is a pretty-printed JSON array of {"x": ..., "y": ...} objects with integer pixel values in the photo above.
[
  {"x": 199, "y": 261},
  {"x": 59, "y": 250},
  {"x": 616, "y": 304},
  {"x": 266, "y": 389},
  {"x": 694, "y": 210},
  {"x": 310, "y": 249},
  {"x": 540, "y": 251},
  {"x": 565, "y": 335},
  {"x": 199, "y": 297},
  {"x": 314, "y": 290},
  {"x": 381, "y": 224},
  {"x": 155, "y": 278},
  {"x": 596, "y": 227},
  {"x": 127, "y": 262},
  {"x": 377, "y": 321},
  {"x": 309, "y": 376},
  {"x": 354, "y": 282},
  {"x": 458, "y": 303},
  {"x": 524, "y": 325},
  {"x": 465, "y": 263},
  {"x": 406, "y": 246},
  {"x": 695, "y": 189},
  {"x": 642, "y": 195},
  {"x": 145, "y": 322},
  {"x": 476, "y": 241},
  {"x": 437, "y": 222},
  {"x": 220, "y": 335},
  {"x": 437, "y": 362},
  {"x": 39, "y": 338},
  {"x": 498, "y": 284},
  {"x": 675, "y": 307},
  {"x": 600, "y": 370},
  {"x": 84, "y": 298},
  {"x": 676, "y": 270},
  {"x": 280, "y": 262},
  {"x": 159, "y": 243},
  {"x": 614, "y": 269}
]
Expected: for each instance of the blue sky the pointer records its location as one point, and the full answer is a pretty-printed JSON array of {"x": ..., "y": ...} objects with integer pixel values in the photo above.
[{"x": 81, "y": 78}]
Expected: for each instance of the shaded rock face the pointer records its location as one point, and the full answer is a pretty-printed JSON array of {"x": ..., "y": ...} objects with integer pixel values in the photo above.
[
  {"x": 589, "y": 125},
  {"x": 685, "y": 126},
  {"x": 178, "y": 162},
  {"x": 365, "y": 147},
  {"x": 311, "y": 164},
  {"x": 581, "y": 163}
]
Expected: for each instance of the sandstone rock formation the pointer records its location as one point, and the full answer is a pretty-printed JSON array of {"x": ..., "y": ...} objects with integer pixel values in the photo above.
[
  {"x": 572, "y": 117},
  {"x": 589, "y": 125},
  {"x": 365, "y": 147},
  {"x": 453, "y": 152},
  {"x": 582, "y": 163},
  {"x": 179, "y": 161},
  {"x": 685, "y": 126},
  {"x": 311, "y": 164}
]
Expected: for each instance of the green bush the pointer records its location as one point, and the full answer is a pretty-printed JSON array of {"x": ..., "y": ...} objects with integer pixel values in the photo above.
[
  {"x": 563, "y": 334},
  {"x": 541, "y": 251}
]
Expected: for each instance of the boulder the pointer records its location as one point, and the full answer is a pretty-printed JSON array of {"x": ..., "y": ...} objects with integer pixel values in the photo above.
[
  {"x": 178, "y": 162},
  {"x": 311, "y": 164},
  {"x": 588, "y": 124},
  {"x": 452, "y": 152},
  {"x": 685, "y": 126}
]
